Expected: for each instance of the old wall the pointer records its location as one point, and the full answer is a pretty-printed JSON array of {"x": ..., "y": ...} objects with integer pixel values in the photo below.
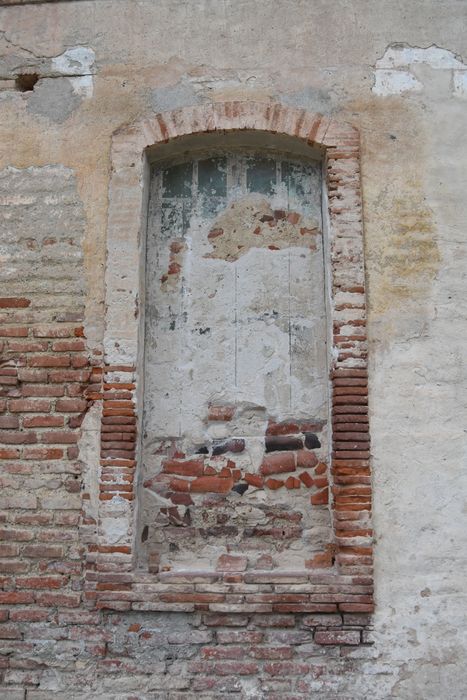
[{"x": 398, "y": 75}]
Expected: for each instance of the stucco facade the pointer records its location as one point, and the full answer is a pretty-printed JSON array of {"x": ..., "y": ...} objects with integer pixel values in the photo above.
[{"x": 91, "y": 93}]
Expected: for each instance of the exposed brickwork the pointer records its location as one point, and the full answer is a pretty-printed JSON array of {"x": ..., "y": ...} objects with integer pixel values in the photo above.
[{"x": 67, "y": 556}]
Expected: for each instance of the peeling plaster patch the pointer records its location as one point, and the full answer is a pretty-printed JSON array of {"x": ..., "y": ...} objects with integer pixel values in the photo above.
[
  {"x": 174, "y": 97},
  {"x": 460, "y": 83},
  {"x": 395, "y": 82},
  {"x": 395, "y": 72},
  {"x": 53, "y": 98},
  {"x": 77, "y": 64},
  {"x": 252, "y": 223},
  {"x": 401, "y": 56}
]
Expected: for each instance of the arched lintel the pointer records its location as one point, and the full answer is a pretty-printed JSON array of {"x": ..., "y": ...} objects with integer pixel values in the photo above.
[{"x": 314, "y": 129}]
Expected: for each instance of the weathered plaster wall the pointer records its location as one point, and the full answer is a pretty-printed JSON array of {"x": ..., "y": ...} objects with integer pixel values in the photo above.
[
  {"x": 235, "y": 342},
  {"x": 101, "y": 65}
]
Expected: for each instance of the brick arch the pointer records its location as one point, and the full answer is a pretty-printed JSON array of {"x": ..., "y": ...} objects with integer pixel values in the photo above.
[
  {"x": 314, "y": 128},
  {"x": 351, "y": 502}
]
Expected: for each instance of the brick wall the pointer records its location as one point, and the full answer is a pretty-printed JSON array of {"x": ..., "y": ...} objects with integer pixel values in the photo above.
[{"x": 76, "y": 613}]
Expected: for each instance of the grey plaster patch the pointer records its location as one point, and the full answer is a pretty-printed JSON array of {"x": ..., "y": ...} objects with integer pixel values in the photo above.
[
  {"x": 174, "y": 97},
  {"x": 314, "y": 99},
  {"x": 54, "y": 98}
]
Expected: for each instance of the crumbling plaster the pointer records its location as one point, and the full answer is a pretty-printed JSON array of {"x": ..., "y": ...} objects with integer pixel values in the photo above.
[{"x": 414, "y": 153}]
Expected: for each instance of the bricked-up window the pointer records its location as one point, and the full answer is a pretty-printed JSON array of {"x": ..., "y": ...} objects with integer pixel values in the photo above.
[
  {"x": 234, "y": 447},
  {"x": 173, "y": 494}
]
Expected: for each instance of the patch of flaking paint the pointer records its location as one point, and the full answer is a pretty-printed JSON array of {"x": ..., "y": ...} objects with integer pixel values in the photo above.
[
  {"x": 77, "y": 64},
  {"x": 250, "y": 222},
  {"x": 395, "y": 82},
  {"x": 170, "y": 278},
  {"x": 395, "y": 70}
]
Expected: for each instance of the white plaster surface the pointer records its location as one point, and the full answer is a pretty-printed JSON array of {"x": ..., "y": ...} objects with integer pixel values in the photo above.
[
  {"x": 396, "y": 72},
  {"x": 77, "y": 64}
]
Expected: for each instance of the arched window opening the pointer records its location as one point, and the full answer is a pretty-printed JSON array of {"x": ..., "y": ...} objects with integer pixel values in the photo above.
[{"x": 234, "y": 440}]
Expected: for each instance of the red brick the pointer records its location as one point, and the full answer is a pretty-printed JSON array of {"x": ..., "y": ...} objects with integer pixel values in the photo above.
[
  {"x": 10, "y": 631},
  {"x": 33, "y": 518},
  {"x": 74, "y": 345},
  {"x": 9, "y": 550},
  {"x": 18, "y": 438},
  {"x": 319, "y": 561},
  {"x": 351, "y": 637},
  {"x": 292, "y": 483},
  {"x": 278, "y": 463},
  {"x": 8, "y": 422},
  {"x": 221, "y": 413},
  {"x": 43, "y": 422},
  {"x": 41, "y": 390},
  {"x": 221, "y": 652},
  {"x": 211, "y": 484},
  {"x": 351, "y": 454},
  {"x": 271, "y": 652},
  {"x": 16, "y": 535},
  {"x": 274, "y": 484},
  {"x": 286, "y": 668},
  {"x": 350, "y": 410},
  {"x": 13, "y": 332},
  {"x": 29, "y": 405},
  {"x": 15, "y": 597},
  {"x": 43, "y": 453},
  {"x": 341, "y": 373},
  {"x": 239, "y": 637},
  {"x": 225, "y": 620},
  {"x": 9, "y": 453},
  {"x": 321, "y": 498},
  {"x": 41, "y": 582},
  {"x": 118, "y": 420},
  {"x": 45, "y": 360},
  {"x": 59, "y": 437},
  {"x": 254, "y": 480},
  {"x": 224, "y": 668},
  {"x": 350, "y": 390},
  {"x": 28, "y": 615},
  {"x": 32, "y": 375},
  {"x": 14, "y": 303},
  {"x": 61, "y": 600},
  {"x": 71, "y": 405},
  {"x": 228, "y": 562},
  {"x": 306, "y": 479},
  {"x": 350, "y": 381},
  {"x": 283, "y": 428},
  {"x": 53, "y": 331},
  {"x": 306, "y": 459},
  {"x": 8, "y": 566},
  {"x": 70, "y": 375},
  {"x": 42, "y": 551},
  {"x": 356, "y": 607},
  {"x": 192, "y": 467},
  {"x": 79, "y": 361}
]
